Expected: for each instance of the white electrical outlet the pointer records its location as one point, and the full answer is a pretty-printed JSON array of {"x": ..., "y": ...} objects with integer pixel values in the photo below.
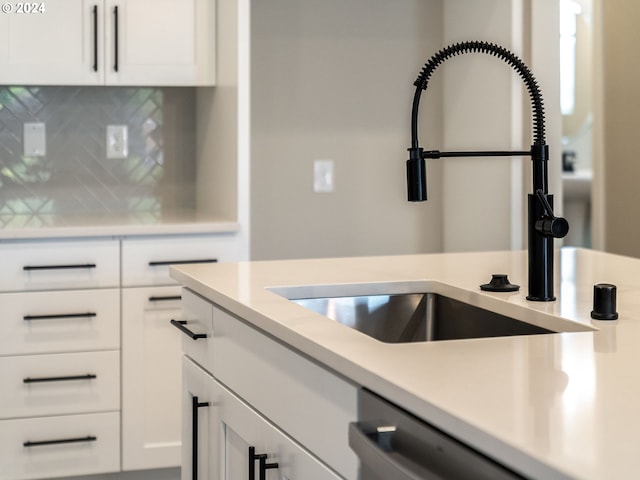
[
  {"x": 117, "y": 141},
  {"x": 34, "y": 140},
  {"x": 323, "y": 176}
]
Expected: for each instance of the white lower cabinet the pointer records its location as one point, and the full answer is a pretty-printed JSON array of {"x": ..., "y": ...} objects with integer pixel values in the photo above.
[
  {"x": 308, "y": 402},
  {"x": 200, "y": 425},
  {"x": 89, "y": 359},
  {"x": 234, "y": 442},
  {"x": 60, "y": 321},
  {"x": 255, "y": 409},
  {"x": 151, "y": 384},
  {"x": 60, "y": 384},
  {"x": 152, "y": 346},
  {"x": 59, "y": 446}
]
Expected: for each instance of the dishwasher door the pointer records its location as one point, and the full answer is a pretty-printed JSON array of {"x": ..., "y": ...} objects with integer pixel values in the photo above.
[{"x": 393, "y": 444}]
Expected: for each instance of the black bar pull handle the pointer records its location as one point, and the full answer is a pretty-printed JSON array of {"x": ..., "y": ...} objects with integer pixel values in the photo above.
[
  {"x": 95, "y": 38},
  {"x": 57, "y": 316},
  {"x": 195, "y": 405},
  {"x": 262, "y": 462},
  {"x": 162, "y": 263},
  {"x": 88, "y": 438},
  {"x": 89, "y": 376},
  {"x": 180, "y": 325},
  {"x": 165, "y": 298},
  {"x": 264, "y": 466},
  {"x": 115, "y": 38},
  {"x": 252, "y": 463},
  {"x": 29, "y": 268}
]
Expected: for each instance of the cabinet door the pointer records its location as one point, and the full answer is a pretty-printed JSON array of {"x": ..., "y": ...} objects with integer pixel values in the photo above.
[
  {"x": 151, "y": 378},
  {"x": 57, "y": 43},
  {"x": 200, "y": 427},
  {"x": 160, "y": 42},
  {"x": 246, "y": 435}
]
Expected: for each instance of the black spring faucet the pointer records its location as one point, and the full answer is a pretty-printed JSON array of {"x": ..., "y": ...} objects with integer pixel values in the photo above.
[{"x": 543, "y": 225}]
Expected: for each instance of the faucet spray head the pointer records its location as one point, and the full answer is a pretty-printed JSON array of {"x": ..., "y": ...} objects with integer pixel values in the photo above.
[{"x": 416, "y": 176}]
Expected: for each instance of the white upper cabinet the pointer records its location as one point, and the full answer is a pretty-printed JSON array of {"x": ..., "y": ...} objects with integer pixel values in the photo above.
[
  {"x": 110, "y": 42},
  {"x": 51, "y": 47},
  {"x": 167, "y": 42}
]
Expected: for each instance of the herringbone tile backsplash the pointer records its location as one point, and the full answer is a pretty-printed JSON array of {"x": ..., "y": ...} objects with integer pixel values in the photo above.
[{"x": 75, "y": 177}]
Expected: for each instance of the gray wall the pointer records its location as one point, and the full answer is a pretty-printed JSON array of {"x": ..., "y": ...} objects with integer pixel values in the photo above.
[
  {"x": 621, "y": 96},
  {"x": 333, "y": 80}
]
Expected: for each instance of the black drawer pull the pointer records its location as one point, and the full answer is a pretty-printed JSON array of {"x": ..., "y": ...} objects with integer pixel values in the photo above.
[
  {"x": 89, "y": 376},
  {"x": 167, "y": 298},
  {"x": 162, "y": 263},
  {"x": 88, "y": 438},
  {"x": 195, "y": 405},
  {"x": 116, "y": 47},
  {"x": 180, "y": 325},
  {"x": 95, "y": 37},
  {"x": 263, "y": 465},
  {"x": 58, "y": 316},
  {"x": 29, "y": 268}
]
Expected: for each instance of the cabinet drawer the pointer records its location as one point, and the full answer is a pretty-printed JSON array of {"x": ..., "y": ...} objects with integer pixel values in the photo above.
[
  {"x": 146, "y": 261},
  {"x": 197, "y": 329},
  {"x": 52, "y": 265},
  {"x": 254, "y": 366},
  {"x": 60, "y": 321},
  {"x": 38, "y": 385},
  {"x": 84, "y": 444}
]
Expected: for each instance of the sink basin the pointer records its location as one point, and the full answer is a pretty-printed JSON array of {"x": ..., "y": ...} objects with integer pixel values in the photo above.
[{"x": 417, "y": 317}]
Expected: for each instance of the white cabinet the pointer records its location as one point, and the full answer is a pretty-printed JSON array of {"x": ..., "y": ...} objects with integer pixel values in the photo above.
[
  {"x": 200, "y": 427},
  {"x": 152, "y": 346},
  {"x": 87, "y": 350},
  {"x": 232, "y": 441},
  {"x": 259, "y": 400},
  {"x": 151, "y": 435},
  {"x": 59, "y": 265},
  {"x": 59, "y": 446},
  {"x": 60, "y": 321},
  {"x": 146, "y": 261},
  {"x": 113, "y": 42},
  {"x": 285, "y": 387},
  {"x": 252, "y": 447},
  {"x": 59, "y": 384},
  {"x": 197, "y": 329},
  {"x": 59, "y": 358},
  {"x": 57, "y": 46},
  {"x": 160, "y": 42}
]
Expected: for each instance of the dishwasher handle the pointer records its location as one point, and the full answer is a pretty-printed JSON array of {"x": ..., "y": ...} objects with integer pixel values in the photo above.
[{"x": 373, "y": 445}]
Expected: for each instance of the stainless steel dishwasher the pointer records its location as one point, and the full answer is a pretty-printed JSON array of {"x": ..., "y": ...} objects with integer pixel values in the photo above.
[{"x": 395, "y": 445}]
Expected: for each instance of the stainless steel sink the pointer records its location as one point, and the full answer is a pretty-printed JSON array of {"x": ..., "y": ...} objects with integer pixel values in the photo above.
[{"x": 417, "y": 317}]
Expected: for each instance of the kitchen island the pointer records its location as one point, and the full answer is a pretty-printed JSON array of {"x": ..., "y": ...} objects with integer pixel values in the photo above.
[{"x": 560, "y": 405}]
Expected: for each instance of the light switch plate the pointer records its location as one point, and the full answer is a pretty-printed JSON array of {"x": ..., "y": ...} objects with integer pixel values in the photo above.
[
  {"x": 117, "y": 141},
  {"x": 323, "y": 176},
  {"x": 34, "y": 139}
]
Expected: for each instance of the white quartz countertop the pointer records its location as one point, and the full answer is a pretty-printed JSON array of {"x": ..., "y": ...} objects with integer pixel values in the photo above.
[
  {"x": 549, "y": 406},
  {"x": 29, "y": 227}
]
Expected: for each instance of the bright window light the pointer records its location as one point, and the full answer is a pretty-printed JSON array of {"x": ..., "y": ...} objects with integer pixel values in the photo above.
[{"x": 569, "y": 11}]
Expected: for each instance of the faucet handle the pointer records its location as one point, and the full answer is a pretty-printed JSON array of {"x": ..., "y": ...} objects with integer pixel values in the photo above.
[{"x": 550, "y": 225}]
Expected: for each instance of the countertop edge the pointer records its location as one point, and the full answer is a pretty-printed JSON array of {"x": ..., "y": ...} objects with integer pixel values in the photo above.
[{"x": 117, "y": 230}]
